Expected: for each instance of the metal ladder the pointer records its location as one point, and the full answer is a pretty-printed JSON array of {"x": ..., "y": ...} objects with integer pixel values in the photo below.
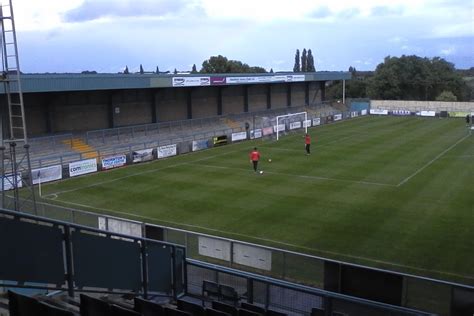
[{"x": 14, "y": 150}]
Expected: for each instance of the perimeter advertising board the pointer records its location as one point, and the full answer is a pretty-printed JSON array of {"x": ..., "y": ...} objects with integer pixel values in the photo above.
[
  {"x": 47, "y": 174},
  {"x": 295, "y": 125},
  {"x": 200, "y": 144},
  {"x": 114, "y": 162},
  {"x": 8, "y": 182},
  {"x": 316, "y": 121},
  {"x": 239, "y": 136},
  {"x": 142, "y": 155},
  {"x": 81, "y": 167},
  {"x": 191, "y": 81},
  {"x": 378, "y": 112},
  {"x": 166, "y": 151}
]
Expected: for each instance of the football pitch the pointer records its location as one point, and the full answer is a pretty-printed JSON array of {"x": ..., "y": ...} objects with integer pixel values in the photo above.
[{"x": 389, "y": 192}]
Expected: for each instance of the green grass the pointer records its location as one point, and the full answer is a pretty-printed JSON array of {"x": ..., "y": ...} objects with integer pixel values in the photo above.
[{"x": 390, "y": 192}]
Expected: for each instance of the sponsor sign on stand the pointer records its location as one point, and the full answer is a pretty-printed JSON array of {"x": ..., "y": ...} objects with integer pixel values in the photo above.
[
  {"x": 329, "y": 119},
  {"x": 142, "y": 155},
  {"x": 295, "y": 125},
  {"x": 166, "y": 151},
  {"x": 337, "y": 117},
  {"x": 191, "y": 81},
  {"x": 267, "y": 131},
  {"x": 458, "y": 114},
  {"x": 307, "y": 123},
  {"x": 378, "y": 112},
  {"x": 114, "y": 162},
  {"x": 47, "y": 174},
  {"x": 239, "y": 136},
  {"x": 281, "y": 128},
  {"x": 264, "y": 79},
  {"x": 426, "y": 113},
  {"x": 363, "y": 112},
  {"x": 215, "y": 81},
  {"x": 354, "y": 114},
  {"x": 8, "y": 182},
  {"x": 256, "y": 134},
  {"x": 401, "y": 112},
  {"x": 316, "y": 121},
  {"x": 200, "y": 144},
  {"x": 81, "y": 167}
]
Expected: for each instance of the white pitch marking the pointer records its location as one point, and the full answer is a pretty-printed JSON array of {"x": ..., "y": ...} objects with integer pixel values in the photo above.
[
  {"x": 267, "y": 240},
  {"x": 430, "y": 162}
]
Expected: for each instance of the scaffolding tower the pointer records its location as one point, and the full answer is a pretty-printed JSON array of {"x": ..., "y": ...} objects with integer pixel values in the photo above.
[{"x": 16, "y": 185}]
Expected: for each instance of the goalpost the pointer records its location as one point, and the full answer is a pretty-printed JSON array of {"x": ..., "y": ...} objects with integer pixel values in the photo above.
[{"x": 293, "y": 125}]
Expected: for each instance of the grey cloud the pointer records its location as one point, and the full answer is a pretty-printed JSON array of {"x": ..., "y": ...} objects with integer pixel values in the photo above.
[
  {"x": 320, "y": 13},
  {"x": 95, "y": 9},
  {"x": 386, "y": 11}
]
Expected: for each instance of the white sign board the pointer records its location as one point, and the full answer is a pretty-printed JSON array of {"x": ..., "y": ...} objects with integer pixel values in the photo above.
[
  {"x": 251, "y": 256},
  {"x": 239, "y": 136},
  {"x": 337, "y": 117},
  {"x": 47, "y": 174},
  {"x": 354, "y": 114},
  {"x": 166, "y": 151},
  {"x": 8, "y": 182},
  {"x": 82, "y": 167},
  {"x": 281, "y": 128},
  {"x": 214, "y": 248},
  {"x": 295, "y": 125},
  {"x": 428, "y": 113},
  {"x": 363, "y": 112},
  {"x": 120, "y": 227},
  {"x": 191, "y": 81},
  {"x": 378, "y": 112},
  {"x": 256, "y": 133},
  {"x": 316, "y": 121},
  {"x": 307, "y": 123},
  {"x": 142, "y": 155},
  {"x": 114, "y": 162}
]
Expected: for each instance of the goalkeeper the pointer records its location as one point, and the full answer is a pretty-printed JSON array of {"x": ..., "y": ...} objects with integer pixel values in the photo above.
[{"x": 254, "y": 158}]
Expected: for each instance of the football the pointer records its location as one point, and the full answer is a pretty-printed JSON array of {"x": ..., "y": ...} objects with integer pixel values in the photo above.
[
  {"x": 269, "y": 160},
  {"x": 261, "y": 171}
]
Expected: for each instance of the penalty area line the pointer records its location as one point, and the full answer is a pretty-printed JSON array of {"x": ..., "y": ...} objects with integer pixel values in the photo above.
[
  {"x": 429, "y": 163},
  {"x": 333, "y": 253}
]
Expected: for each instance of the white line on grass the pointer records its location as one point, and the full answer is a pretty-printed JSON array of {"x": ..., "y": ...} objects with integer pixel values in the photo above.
[
  {"x": 430, "y": 162},
  {"x": 295, "y": 175},
  {"x": 134, "y": 174},
  {"x": 264, "y": 239}
]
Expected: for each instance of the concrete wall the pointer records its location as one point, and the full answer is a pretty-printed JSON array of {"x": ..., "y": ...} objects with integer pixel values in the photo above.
[
  {"x": 298, "y": 94},
  {"x": 257, "y": 97},
  {"x": 279, "y": 95},
  {"x": 422, "y": 105},
  {"x": 78, "y": 111},
  {"x": 131, "y": 107},
  {"x": 204, "y": 102},
  {"x": 171, "y": 104},
  {"x": 232, "y": 100},
  {"x": 314, "y": 93}
]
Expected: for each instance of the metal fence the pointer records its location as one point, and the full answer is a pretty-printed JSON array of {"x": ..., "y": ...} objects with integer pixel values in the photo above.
[{"x": 419, "y": 293}]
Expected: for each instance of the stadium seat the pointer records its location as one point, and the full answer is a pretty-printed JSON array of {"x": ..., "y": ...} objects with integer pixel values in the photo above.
[
  {"x": 315, "y": 311},
  {"x": 253, "y": 308},
  {"x": 226, "y": 308},
  {"x": 116, "y": 310},
  {"x": 210, "y": 289},
  {"x": 194, "y": 309},
  {"x": 91, "y": 306},
  {"x": 175, "y": 312},
  {"x": 246, "y": 312},
  {"x": 148, "y": 308},
  {"x": 215, "y": 312},
  {"x": 228, "y": 293}
]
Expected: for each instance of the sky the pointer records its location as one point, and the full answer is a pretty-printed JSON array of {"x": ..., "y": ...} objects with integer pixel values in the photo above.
[{"x": 107, "y": 35}]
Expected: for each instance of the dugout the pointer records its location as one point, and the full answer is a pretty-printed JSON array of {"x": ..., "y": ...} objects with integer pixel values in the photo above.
[{"x": 59, "y": 103}]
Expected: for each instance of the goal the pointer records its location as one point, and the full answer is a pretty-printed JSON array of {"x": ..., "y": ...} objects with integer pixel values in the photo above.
[{"x": 291, "y": 121}]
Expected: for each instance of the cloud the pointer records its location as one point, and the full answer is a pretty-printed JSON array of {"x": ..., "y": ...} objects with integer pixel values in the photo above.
[
  {"x": 349, "y": 13},
  {"x": 320, "y": 13},
  {"x": 93, "y": 9},
  {"x": 386, "y": 11}
]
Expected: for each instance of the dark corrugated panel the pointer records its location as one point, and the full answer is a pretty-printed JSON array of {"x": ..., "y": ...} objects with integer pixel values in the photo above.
[{"x": 83, "y": 82}]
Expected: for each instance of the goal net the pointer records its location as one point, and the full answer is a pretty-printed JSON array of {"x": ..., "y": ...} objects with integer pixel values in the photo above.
[{"x": 291, "y": 122}]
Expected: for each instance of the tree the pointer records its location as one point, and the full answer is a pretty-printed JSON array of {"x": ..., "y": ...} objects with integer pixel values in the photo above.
[
  {"x": 271, "y": 70},
  {"x": 220, "y": 64},
  {"x": 194, "y": 70},
  {"x": 415, "y": 78},
  {"x": 175, "y": 71},
  {"x": 296, "y": 67},
  {"x": 141, "y": 70},
  {"x": 304, "y": 61},
  {"x": 310, "y": 65},
  {"x": 126, "y": 70},
  {"x": 446, "y": 96},
  {"x": 157, "y": 70}
]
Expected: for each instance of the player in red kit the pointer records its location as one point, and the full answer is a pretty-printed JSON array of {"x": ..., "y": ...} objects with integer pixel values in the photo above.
[
  {"x": 254, "y": 158},
  {"x": 307, "y": 143}
]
